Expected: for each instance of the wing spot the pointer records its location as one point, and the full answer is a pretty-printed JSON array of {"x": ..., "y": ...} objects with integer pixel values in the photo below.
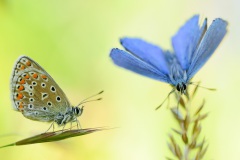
[
  {"x": 44, "y": 96},
  {"x": 24, "y": 74},
  {"x": 20, "y": 106},
  {"x": 43, "y": 85},
  {"x": 30, "y": 106},
  {"x": 19, "y": 96},
  {"x": 31, "y": 87},
  {"x": 44, "y": 77},
  {"x": 35, "y": 75},
  {"x": 58, "y": 98},
  {"x": 30, "y": 94},
  {"x": 49, "y": 104},
  {"x": 21, "y": 88},
  {"x": 34, "y": 83},
  {"x": 28, "y": 63},
  {"x": 23, "y": 60},
  {"x": 53, "y": 89},
  {"x": 31, "y": 99},
  {"x": 44, "y": 108},
  {"x": 19, "y": 65}
]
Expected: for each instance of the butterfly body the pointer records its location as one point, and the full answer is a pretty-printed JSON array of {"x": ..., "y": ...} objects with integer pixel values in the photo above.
[
  {"x": 193, "y": 45},
  {"x": 37, "y": 96}
]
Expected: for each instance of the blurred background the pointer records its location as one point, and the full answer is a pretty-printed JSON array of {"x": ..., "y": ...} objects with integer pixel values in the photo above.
[{"x": 71, "y": 40}]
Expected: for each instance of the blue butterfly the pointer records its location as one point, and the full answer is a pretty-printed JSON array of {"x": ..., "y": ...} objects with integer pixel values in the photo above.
[{"x": 193, "y": 45}]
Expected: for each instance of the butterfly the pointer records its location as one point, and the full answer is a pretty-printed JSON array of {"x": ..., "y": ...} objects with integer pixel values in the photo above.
[
  {"x": 38, "y": 97},
  {"x": 193, "y": 45}
]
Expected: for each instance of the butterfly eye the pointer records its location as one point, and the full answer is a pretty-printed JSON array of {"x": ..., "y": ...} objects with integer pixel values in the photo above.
[{"x": 178, "y": 87}]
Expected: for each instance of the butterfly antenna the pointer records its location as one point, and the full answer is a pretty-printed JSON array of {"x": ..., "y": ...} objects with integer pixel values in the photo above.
[
  {"x": 211, "y": 89},
  {"x": 165, "y": 99},
  {"x": 89, "y": 101},
  {"x": 86, "y": 99}
]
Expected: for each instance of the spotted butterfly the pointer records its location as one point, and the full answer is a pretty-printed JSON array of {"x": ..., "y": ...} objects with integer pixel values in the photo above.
[{"x": 37, "y": 96}]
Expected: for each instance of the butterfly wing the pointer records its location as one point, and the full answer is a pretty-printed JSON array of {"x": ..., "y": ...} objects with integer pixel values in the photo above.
[
  {"x": 147, "y": 52},
  {"x": 207, "y": 46},
  {"x": 35, "y": 93},
  {"x": 131, "y": 62},
  {"x": 186, "y": 40}
]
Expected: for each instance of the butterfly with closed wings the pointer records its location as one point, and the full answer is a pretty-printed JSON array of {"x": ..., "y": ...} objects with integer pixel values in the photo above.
[{"x": 35, "y": 93}]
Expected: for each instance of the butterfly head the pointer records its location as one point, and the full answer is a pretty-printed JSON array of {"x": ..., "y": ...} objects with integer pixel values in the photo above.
[
  {"x": 77, "y": 111},
  {"x": 181, "y": 87}
]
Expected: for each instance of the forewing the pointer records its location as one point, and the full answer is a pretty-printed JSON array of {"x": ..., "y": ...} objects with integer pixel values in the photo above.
[
  {"x": 35, "y": 93},
  {"x": 129, "y": 61},
  {"x": 186, "y": 40},
  {"x": 147, "y": 52},
  {"x": 207, "y": 46}
]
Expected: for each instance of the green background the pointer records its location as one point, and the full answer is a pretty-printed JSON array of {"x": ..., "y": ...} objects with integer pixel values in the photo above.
[{"x": 72, "y": 39}]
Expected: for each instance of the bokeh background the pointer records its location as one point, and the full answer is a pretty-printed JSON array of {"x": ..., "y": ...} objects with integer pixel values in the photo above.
[{"x": 72, "y": 40}]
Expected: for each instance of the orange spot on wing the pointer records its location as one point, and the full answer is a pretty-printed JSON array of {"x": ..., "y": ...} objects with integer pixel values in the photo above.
[
  {"x": 22, "y": 67},
  {"x": 27, "y": 76},
  {"x": 22, "y": 81},
  {"x": 19, "y": 96},
  {"x": 21, "y": 88},
  {"x": 35, "y": 75},
  {"x": 44, "y": 77},
  {"x": 28, "y": 63},
  {"x": 20, "y": 105}
]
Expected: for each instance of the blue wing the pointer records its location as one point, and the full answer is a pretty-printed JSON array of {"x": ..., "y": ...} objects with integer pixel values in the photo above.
[
  {"x": 147, "y": 52},
  {"x": 207, "y": 46},
  {"x": 186, "y": 40},
  {"x": 131, "y": 62}
]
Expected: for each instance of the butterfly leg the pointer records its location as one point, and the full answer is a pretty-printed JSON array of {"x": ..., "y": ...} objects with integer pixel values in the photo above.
[
  {"x": 78, "y": 124},
  {"x": 52, "y": 125},
  {"x": 63, "y": 127},
  {"x": 178, "y": 101},
  {"x": 71, "y": 126},
  {"x": 165, "y": 99}
]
